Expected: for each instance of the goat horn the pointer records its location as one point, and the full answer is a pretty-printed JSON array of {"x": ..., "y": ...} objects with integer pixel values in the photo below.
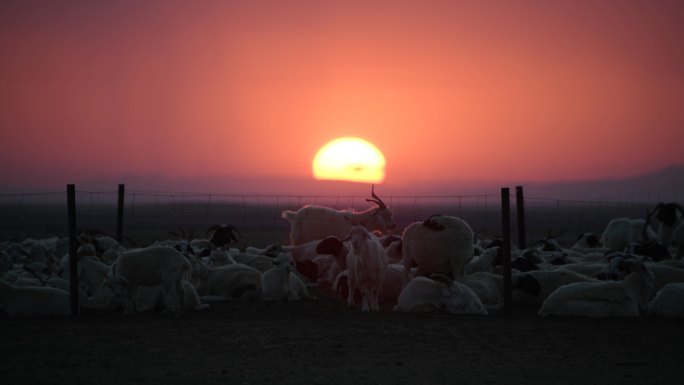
[{"x": 376, "y": 198}]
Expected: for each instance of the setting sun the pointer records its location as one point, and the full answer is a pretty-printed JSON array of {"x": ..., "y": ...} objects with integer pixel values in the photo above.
[{"x": 350, "y": 159}]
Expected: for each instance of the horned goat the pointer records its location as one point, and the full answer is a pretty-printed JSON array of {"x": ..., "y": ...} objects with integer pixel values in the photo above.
[{"x": 313, "y": 222}]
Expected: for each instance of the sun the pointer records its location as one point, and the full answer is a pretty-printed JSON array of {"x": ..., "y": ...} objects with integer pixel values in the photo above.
[{"x": 350, "y": 159}]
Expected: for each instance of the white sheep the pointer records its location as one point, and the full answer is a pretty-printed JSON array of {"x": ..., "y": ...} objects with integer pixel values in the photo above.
[
  {"x": 669, "y": 301},
  {"x": 367, "y": 262},
  {"x": 622, "y": 232},
  {"x": 423, "y": 294},
  {"x": 439, "y": 245},
  {"x": 149, "y": 267},
  {"x": 313, "y": 222},
  {"x": 34, "y": 301},
  {"x": 483, "y": 262},
  {"x": 487, "y": 286},
  {"x": 603, "y": 298},
  {"x": 229, "y": 281},
  {"x": 533, "y": 287}
]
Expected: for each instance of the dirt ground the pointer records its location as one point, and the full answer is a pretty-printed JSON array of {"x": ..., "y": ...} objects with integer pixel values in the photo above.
[{"x": 324, "y": 342}]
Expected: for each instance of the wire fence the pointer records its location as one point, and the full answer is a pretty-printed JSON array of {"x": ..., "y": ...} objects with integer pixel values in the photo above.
[{"x": 150, "y": 216}]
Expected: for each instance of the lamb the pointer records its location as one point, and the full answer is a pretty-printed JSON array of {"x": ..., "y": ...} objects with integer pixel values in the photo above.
[
  {"x": 313, "y": 222},
  {"x": 669, "y": 301},
  {"x": 149, "y": 267},
  {"x": 439, "y": 245},
  {"x": 603, "y": 298},
  {"x": 367, "y": 262},
  {"x": 34, "y": 301},
  {"x": 423, "y": 294}
]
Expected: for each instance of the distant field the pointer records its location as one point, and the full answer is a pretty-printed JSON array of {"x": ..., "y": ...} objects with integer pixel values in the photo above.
[{"x": 152, "y": 216}]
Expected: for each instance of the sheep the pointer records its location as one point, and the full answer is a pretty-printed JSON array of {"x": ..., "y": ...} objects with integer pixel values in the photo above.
[
  {"x": 34, "y": 301},
  {"x": 621, "y": 232},
  {"x": 439, "y": 245},
  {"x": 304, "y": 256},
  {"x": 313, "y": 222},
  {"x": 367, "y": 262},
  {"x": 259, "y": 262},
  {"x": 483, "y": 262},
  {"x": 669, "y": 301},
  {"x": 229, "y": 282},
  {"x": 392, "y": 283},
  {"x": 532, "y": 288},
  {"x": 487, "y": 286},
  {"x": 603, "y": 298},
  {"x": 149, "y": 267},
  {"x": 279, "y": 283},
  {"x": 424, "y": 294}
]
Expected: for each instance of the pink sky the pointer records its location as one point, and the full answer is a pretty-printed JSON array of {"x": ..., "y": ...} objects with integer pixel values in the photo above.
[{"x": 447, "y": 90}]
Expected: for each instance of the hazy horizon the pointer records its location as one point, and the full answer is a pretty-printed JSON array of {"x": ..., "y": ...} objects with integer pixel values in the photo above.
[{"x": 668, "y": 180}]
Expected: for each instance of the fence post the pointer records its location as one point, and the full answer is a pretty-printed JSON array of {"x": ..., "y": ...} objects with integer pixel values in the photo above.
[
  {"x": 506, "y": 249},
  {"x": 119, "y": 213},
  {"x": 73, "y": 245},
  {"x": 520, "y": 212}
]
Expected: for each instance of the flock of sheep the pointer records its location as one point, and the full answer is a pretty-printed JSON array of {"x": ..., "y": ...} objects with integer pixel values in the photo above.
[{"x": 635, "y": 267}]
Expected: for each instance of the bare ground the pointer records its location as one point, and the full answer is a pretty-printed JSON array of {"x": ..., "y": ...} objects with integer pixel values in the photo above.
[{"x": 324, "y": 342}]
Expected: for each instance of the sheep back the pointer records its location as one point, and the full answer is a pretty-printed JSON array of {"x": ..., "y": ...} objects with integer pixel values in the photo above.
[{"x": 441, "y": 245}]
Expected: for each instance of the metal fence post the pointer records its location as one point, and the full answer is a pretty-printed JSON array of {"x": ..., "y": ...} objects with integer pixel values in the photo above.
[
  {"x": 520, "y": 212},
  {"x": 73, "y": 246},
  {"x": 506, "y": 249},
  {"x": 119, "y": 214}
]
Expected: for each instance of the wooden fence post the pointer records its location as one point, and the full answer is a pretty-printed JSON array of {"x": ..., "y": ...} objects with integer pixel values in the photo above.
[
  {"x": 119, "y": 213},
  {"x": 520, "y": 212},
  {"x": 506, "y": 249},
  {"x": 73, "y": 246}
]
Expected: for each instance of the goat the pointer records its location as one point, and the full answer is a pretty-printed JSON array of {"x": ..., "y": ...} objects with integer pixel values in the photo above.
[
  {"x": 367, "y": 262},
  {"x": 669, "y": 216},
  {"x": 313, "y": 222}
]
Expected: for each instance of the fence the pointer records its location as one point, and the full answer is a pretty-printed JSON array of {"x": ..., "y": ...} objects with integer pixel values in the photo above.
[{"x": 149, "y": 216}]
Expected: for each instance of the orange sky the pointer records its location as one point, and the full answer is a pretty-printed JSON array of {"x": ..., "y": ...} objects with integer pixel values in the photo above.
[{"x": 447, "y": 90}]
